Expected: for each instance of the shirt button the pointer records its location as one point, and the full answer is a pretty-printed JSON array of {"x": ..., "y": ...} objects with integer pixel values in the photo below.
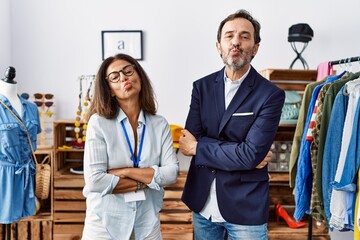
[{"x": 213, "y": 171}]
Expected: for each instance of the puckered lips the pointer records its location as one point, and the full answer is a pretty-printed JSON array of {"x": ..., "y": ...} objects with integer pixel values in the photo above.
[{"x": 127, "y": 85}]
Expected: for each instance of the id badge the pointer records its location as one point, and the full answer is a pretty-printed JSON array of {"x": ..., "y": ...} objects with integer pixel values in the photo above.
[{"x": 135, "y": 196}]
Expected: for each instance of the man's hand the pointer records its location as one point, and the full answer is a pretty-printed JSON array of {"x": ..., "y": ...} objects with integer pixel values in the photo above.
[
  {"x": 265, "y": 161},
  {"x": 187, "y": 143}
]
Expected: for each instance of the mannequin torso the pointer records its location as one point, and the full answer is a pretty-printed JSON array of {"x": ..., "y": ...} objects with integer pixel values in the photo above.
[
  {"x": 9, "y": 90},
  {"x": 16, "y": 162}
]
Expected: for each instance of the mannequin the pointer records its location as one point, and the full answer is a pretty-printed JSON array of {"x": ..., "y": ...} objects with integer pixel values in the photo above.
[
  {"x": 17, "y": 168},
  {"x": 8, "y": 88}
]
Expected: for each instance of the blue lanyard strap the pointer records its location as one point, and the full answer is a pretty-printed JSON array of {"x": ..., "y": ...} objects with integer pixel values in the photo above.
[{"x": 134, "y": 159}]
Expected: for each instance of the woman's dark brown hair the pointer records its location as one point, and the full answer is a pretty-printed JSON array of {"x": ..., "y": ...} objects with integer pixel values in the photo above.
[{"x": 107, "y": 106}]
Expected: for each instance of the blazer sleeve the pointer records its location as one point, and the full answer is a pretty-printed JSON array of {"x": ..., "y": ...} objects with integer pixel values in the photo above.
[{"x": 230, "y": 154}]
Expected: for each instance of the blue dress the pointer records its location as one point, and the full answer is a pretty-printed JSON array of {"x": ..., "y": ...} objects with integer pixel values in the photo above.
[{"x": 17, "y": 168}]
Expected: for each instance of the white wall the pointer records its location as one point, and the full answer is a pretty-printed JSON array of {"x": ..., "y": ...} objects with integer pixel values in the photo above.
[
  {"x": 5, "y": 36},
  {"x": 54, "y": 42}
]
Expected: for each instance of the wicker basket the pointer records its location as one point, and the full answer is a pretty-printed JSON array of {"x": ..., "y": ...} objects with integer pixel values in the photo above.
[{"x": 42, "y": 179}]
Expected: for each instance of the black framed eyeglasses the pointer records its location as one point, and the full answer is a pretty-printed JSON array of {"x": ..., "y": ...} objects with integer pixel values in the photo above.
[{"x": 114, "y": 77}]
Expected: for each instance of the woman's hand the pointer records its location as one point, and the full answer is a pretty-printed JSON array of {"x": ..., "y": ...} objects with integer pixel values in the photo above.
[{"x": 129, "y": 178}]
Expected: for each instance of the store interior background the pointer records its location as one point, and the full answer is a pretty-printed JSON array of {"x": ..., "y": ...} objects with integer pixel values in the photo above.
[{"x": 52, "y": 43}]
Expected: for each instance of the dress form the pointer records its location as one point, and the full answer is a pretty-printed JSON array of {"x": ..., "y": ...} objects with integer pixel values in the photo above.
[{"x": 8, "y": 88}]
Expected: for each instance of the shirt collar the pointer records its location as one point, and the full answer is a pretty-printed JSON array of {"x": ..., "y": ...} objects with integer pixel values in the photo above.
[
  {"x": 121, "y": 116},
  {"x": 237, "y": 81},
  {"x": 8, "y": 103}
]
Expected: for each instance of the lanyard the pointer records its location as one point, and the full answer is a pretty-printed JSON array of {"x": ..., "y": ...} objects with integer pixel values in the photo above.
[{"x": 135, "y": 160}]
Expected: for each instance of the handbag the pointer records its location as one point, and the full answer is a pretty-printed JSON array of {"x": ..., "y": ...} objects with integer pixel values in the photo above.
[
  {"x": 43, "y": 169},
  {"x": 42, "y": 178}
]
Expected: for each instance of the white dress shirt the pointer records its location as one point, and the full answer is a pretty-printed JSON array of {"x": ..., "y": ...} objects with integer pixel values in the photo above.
[{"x": 211, "y": 208}]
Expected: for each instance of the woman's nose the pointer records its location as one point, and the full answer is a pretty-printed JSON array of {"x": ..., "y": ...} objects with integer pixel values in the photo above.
[{"x": 123, "y": 77}]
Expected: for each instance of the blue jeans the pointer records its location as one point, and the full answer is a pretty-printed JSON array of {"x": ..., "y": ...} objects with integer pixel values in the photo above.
[{"x": 204, "y": 229}]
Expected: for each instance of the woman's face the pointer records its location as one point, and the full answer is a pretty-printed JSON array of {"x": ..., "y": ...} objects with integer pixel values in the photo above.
[{"x": 124, "y": 81}]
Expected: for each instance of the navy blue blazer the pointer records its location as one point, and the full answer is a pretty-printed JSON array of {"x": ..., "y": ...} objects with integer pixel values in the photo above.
[{"x": 231, "y": 143}]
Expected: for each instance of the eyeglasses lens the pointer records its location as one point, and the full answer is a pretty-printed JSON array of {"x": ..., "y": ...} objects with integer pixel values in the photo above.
[
  {"x": 38, "y": 95},
  {"x": 49, "y": 104},
  {"x": 127, "y": 71},
  {"x": 49, "y": 96},
  {"x": 38, "y": 103}
]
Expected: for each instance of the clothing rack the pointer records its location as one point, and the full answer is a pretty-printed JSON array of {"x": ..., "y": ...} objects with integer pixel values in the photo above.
[
  {"x": 345, "y": 60},
  {"x": 332, "y": 63}
]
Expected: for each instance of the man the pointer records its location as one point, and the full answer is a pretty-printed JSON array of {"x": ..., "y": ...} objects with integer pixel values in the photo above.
[{"x": 232, "y": 121}]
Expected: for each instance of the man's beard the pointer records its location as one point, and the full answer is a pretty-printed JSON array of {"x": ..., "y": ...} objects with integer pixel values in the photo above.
[{"x": 241, "y": 62}]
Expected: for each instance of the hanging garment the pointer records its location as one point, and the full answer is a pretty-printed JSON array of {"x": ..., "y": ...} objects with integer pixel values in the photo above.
[
  {"x": 17, "y": 168},
  {"x": 324, "y": 69},
  {"x": 303, "y": 183},
  {"x": 313, "y": 137},
  {"x": 316, "y": 204},
  {"x": 295, "y": 147},
  {"x": 344, "y": 191},
  {"x": 356, "y": 215},
  {"x": 322, "y": 130},
  {"x": 332, "y": 147}
]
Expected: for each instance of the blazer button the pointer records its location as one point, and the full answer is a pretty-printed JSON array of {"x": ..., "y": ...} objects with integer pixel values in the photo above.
[{"x": 213, "y": 171}]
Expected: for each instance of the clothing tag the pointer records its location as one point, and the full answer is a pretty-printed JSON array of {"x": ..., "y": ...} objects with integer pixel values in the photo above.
[{"x": 139, "y": 195}]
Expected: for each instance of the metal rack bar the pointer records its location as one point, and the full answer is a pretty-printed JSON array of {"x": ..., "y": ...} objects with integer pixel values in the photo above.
[{"x": 345, "y": 60}]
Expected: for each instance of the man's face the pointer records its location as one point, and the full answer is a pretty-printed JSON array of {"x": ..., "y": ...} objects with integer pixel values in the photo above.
[{"x": 237, "y": 45}]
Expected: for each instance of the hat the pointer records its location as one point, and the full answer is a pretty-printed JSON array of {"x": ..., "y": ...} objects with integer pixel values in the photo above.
[
  {"x": 176, "y": 134},
  {"x": 300, "y": 32}
]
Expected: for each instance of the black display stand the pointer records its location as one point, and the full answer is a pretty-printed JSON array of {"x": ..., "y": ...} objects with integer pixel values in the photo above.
[{"x": 298, "y": 55}]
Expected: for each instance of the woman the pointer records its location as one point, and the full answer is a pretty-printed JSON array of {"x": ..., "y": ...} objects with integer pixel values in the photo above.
[{"x": 128, "y": 157}]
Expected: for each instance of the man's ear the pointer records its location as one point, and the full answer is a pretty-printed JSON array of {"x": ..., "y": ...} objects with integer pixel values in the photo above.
[{"x": 218, "y": 47}]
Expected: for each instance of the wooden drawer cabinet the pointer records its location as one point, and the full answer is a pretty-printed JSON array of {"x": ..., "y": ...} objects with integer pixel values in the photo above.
[
  {"x": 69, "y": 202},
  {"x": 66, "y": 156},
  {"x": 280, "y": 191}
]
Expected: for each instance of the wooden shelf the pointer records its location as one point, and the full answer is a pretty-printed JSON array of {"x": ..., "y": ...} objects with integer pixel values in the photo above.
[
  {"x": 280, "y": 191},
  {"x": 293, "y": 75},
  {"x": 40, "y": 225}
]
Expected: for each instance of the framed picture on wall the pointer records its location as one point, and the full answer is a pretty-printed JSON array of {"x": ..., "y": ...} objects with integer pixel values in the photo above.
[{"x": 128, "y": 42}]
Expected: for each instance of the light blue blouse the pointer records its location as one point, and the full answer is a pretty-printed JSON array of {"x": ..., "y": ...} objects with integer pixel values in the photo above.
[
  {"x": 106, "y": 148},
  {"x": 17, "y": 168}
]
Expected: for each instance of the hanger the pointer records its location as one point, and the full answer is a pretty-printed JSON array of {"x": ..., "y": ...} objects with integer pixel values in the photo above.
[{"x": 353, "y": 84}]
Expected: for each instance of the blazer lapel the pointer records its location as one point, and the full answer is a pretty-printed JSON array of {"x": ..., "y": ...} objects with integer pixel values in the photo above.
[
  {"x": 240, "y": 95},
  {"x": 219, "y": 94}
]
